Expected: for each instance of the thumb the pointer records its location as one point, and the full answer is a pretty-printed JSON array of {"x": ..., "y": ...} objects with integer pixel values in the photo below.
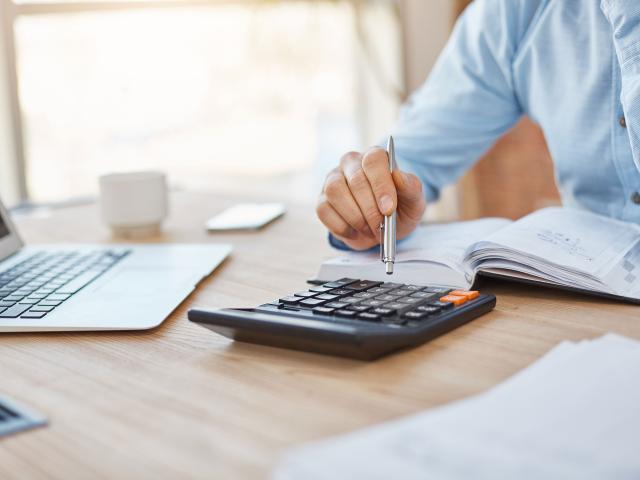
[{"x": 408, "y": 187}]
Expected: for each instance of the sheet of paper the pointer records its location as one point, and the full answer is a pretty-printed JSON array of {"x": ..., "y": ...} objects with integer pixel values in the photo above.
[{"x": 572, "y": 414}]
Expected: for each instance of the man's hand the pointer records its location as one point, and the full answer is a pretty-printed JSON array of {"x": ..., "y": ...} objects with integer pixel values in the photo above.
[{"x": 358, "y": 193}]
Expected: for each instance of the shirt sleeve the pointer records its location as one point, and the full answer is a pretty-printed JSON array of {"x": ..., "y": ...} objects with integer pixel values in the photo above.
[
  {"x": 624, "y": 17},
  {"x": 468, "y": 101}
]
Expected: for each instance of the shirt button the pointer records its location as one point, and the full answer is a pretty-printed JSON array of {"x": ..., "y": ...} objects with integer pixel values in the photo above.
[
  {"x": 635, "y": 198},
  {"x": 622, "y": 121}
]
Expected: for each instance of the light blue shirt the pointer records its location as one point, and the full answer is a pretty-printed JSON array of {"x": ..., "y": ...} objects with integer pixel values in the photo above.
[{"x": 573, "y": 66}]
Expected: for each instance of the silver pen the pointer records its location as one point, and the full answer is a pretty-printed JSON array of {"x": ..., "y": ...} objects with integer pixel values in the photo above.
[{"x": 388, "y": 227}]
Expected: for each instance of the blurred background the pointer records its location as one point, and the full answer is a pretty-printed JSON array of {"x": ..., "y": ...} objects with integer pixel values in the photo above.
[{"x": 250, "y": 97}]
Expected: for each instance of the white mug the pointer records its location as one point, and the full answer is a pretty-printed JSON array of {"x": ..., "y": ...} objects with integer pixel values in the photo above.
[{"x": 134, "y": 204}]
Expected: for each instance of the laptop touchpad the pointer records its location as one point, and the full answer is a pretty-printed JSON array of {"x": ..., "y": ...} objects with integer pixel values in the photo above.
[{"x": 147, "y": 280}]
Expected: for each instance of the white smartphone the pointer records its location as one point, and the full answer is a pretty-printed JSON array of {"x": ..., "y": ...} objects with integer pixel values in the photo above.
[{"x": 245, "y": 216}]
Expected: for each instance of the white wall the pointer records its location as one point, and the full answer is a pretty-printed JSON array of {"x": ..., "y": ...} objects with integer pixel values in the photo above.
[
  {"x": 426, "y": 28},
  {"x": 427, "y": 24}
]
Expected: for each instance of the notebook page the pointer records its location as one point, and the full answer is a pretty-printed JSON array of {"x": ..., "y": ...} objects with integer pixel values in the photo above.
[
  {"x": 433, "y": 254},
  {"x": 575, "y": 239},
  {"x": 447, "y": 243},
  {"x": 444, "y": 244}
]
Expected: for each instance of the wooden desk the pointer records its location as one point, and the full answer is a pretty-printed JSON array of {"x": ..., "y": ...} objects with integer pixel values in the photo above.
[{"x": 182, "y": 402}]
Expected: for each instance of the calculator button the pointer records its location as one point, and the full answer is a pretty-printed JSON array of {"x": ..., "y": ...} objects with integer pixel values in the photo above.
[
  {"x": 364, "y": 295},
  {"x": 396, "y": 305},
  {"x": 368, "y": 316},
  {"x": 340, "y": 292},
  {"x": 350, "y": 300},
  {"x": 311, "y": 302},
  {"x": 468, "y": 294},
  {"x": 415, "y": 288},
  {"x": 428, "y": 309},
  {"x": 336, "y": 305},
  {"x": 319, "y": 289},
  {"x": 455, "y": 299},
  {"x": 380, "y": 290},
  {"x": 409, "y": 300},
  {"x": 391, "y": 285},
  {"x": 362, "y": 285},
  {"x": 423, "y": 295},
  {"x": 290, "y": 300},
  {"x": 442, "y": 305},
  {"x": 402, "y": 292},
  {"x": 383, "y": 311},
  {"x": 332, "y": 285},
  {"x": 345, "y": 313},
  {"x": 305, "y": 294},
  {"x": 340, "y": 283},
  {"x": 440, "y": 290},
  {"x": 323, "y": 310},
  {"x": 327, "y": 296},
  {"x": 399, "y": 307},
  {"x": 358, "y": 308},
  {"x": 386, "y": 298},
  {"x": 373, "y": 303},
  {"x": 415, "y": 315}
]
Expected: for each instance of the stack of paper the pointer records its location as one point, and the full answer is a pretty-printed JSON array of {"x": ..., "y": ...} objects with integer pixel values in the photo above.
[{"x": 575, "y": 413}]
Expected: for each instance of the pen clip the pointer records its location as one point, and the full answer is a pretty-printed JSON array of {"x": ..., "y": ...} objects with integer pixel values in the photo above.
[{"x": 381, "y": 241}]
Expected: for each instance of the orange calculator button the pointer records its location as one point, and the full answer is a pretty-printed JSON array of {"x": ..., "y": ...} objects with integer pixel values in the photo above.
[
  {"x": 457, "y": 300},
  {"x": 468, "y": 294}
]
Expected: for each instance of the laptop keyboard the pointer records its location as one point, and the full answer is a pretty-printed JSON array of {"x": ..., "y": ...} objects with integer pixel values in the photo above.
[
  {"x": 387, "y": 303},
  {"x": 42, "y": 282}
]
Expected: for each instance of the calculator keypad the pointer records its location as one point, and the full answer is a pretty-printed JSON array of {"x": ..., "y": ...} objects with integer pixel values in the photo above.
[{"x": 370, "y": 301}]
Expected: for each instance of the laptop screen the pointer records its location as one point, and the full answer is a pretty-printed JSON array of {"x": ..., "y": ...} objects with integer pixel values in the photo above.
[{"x": 4, "y": 230}]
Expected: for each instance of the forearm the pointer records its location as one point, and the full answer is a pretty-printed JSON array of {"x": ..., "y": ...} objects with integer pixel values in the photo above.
[{"x": 467, "y": 102}]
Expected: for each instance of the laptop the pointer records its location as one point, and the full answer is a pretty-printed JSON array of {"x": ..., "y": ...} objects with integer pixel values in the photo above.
[{"x": 69, "y": 287}]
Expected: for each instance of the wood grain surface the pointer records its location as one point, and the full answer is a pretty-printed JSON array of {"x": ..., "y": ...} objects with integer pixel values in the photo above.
[{"x": 182, "y": 402}]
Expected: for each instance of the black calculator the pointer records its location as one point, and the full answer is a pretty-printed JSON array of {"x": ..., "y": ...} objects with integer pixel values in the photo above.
[{"x": 349, "y": 317}]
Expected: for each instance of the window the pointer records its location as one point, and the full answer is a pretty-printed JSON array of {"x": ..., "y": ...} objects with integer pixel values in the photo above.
[{"x": 220, "y": 95}]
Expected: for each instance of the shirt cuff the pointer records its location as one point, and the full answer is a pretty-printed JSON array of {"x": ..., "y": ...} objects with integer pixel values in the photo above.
[{"x": 340, "y": 245}]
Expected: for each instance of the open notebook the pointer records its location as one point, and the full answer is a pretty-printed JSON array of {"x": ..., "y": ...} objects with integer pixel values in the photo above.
[{"x": 561, "y": 247}]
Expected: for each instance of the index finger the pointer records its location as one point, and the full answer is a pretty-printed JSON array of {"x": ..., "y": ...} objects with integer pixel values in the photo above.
[{"x": 375, "y": 165}]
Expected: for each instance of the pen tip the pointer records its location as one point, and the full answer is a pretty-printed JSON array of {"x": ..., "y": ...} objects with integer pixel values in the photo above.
[{"x": 389, "y": 268}]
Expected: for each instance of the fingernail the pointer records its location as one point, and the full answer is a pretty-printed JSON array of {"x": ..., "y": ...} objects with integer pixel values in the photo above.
[{"x": 386, "y": 204}]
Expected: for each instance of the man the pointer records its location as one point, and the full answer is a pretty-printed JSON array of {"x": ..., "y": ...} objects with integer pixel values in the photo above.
[{"x": 573, "y": 66}]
